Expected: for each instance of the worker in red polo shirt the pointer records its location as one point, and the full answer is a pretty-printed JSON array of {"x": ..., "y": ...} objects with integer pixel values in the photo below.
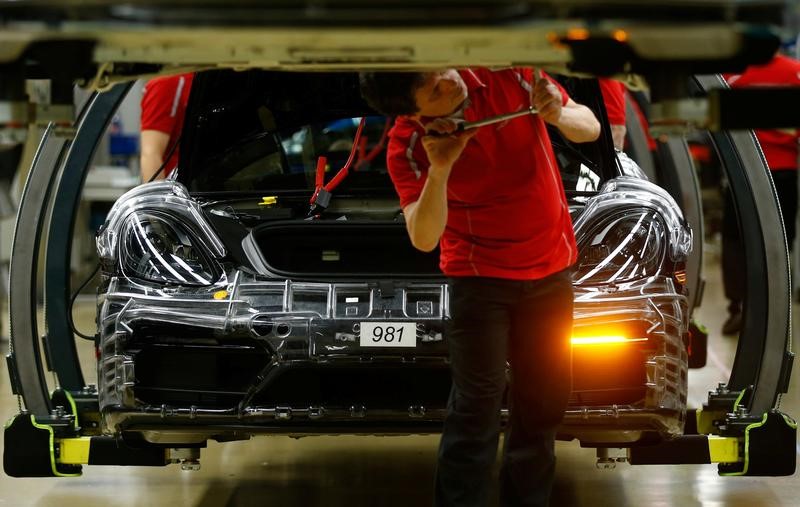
[
  {"x": 164, "y": 101},
  {"x": 614, "y": 94},
  {"x": 780, "y": 148},
  {"x": 492, "y": 199},
  {"x": 614, "y": 99}
]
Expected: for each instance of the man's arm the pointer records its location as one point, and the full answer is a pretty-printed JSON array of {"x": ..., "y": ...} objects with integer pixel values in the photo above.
[
  {"x": 575, "y": 121},
  {"x": 578, "y": 123},
  {"x": 426, "y": 218},
  {"x": 153, "y": 147},
  {"x": 618, "y": 133}
]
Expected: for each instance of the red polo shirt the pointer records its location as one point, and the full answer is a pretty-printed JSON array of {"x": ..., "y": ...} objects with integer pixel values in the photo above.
[
  {"x": 164, "y": 101},
  {"x": 614, "y": 100},
  {"x": 779, "y": 146},
  {"x": 507, "y": 213}
]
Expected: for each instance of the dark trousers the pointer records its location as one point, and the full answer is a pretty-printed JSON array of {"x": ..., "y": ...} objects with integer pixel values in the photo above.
[
  {"x": 528, "y": 324},
  {"x": 733, "y": 261}
]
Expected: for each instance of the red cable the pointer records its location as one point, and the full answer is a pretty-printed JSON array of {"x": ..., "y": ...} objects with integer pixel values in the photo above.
[
  {"x": 320, "y": 178},
  {"x": 362, "y": 152},
  {"x": 322, "y": 162},
  {"x": 369, "y": 157}
]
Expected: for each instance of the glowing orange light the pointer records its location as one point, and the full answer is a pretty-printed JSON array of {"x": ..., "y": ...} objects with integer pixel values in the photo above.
[
  {"x": 680, "y": 277},
  {"x": 556, "y": 41},
  {"x": 619, "y": 35},
  {"x": 603, "y": 340},
  {"x": 577, "y": 34}
]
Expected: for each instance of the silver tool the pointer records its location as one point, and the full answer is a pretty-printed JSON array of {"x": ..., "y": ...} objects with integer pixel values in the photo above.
[
  {"x": 491, "y": 120},
  {"x": 494, "y": 119}
]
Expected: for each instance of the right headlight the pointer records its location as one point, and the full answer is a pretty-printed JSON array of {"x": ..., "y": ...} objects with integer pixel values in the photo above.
[
  {"x": 621, "y": 247},
  {"x": 156, "y": 247}
]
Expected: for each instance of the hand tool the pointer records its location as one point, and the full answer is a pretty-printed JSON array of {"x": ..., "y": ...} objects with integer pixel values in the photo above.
[{"x": 491, "y": 120}]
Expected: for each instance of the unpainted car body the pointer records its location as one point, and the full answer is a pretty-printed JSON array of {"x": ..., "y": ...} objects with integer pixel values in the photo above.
[{"x": 228, "y": 309}]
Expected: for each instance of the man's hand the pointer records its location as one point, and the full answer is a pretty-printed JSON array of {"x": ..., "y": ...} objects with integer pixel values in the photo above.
[
  {"x": 577, "y": 122},
  {"x": 445, "y": 145},
  {"x": 546, "y": 99}
]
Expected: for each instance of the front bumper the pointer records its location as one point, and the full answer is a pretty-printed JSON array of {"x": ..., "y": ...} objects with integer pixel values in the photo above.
[
  {"x": 265, "y": 347},
  {"x": 292, "y": 349}
]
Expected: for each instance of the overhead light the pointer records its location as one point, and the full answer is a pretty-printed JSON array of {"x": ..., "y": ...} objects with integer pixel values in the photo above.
[
  {"x": 619, "y": 35},
  {"x": 577, "y": 34}
]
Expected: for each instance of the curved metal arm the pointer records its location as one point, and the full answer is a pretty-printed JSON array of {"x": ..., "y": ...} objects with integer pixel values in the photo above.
[
  {"x": 25, "y": 349},
  {"x": 762, "y": 350},
  {"x": 685, "y": 188},
  {"x": 67, "y": 189}
]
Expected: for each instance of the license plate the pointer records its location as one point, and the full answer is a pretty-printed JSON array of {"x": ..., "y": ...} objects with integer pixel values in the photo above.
[{"x": 388, "y": 334}]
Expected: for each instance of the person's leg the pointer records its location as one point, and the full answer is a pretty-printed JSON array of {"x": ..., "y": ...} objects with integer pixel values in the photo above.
[
  {"x": 477, "y": 338},
  {"x": 541, "y": 381}
]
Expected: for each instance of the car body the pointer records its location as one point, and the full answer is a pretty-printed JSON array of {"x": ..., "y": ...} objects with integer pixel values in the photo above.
[{"x": 229, "y": 306}]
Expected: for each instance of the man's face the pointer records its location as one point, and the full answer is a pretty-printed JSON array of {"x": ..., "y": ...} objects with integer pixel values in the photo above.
[{"x": 441, "y": 95}]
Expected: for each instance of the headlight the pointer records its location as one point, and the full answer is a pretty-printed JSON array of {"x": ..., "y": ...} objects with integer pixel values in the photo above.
[
  {"x": 622, "y": 247},
  {"x": 158, "y": 248}
]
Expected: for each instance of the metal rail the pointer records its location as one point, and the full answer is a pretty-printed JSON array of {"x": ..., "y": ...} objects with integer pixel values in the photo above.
[
  {"x": 64, "y": 204},
  {"x": 25, "y": 347}
]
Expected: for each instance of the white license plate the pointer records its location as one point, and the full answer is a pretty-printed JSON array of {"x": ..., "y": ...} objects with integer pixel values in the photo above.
[{"x": 388, "y": 334}]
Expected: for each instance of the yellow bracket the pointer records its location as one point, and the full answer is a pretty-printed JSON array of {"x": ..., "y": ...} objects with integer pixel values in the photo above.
[
  {"x": 268, "y": 201},
  {"x": 724, "y": 449},
  {"x": 74, "y": 451},
  {"x": 720, "y": 449}
]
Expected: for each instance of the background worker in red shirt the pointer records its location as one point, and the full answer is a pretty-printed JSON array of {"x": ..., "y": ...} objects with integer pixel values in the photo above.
[
  {"x": 493, "y": 201},
  {"x": 780, "y": 148},
  {"x": 164, "y": 102},
  {"x": 614, "y": 94},
  {"x": 614, "y": 100}
]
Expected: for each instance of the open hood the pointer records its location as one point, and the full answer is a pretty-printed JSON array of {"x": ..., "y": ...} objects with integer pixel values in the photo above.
[{"x": 264, "y": 132}]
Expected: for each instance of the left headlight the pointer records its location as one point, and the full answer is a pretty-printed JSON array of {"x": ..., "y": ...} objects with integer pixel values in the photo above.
[
  {"x": 156, "y": 247},
  {"x": 622, "y": 247}
]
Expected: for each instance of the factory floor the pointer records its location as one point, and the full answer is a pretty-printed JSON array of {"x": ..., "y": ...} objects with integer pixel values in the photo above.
[{"x": 398, "y": 471}]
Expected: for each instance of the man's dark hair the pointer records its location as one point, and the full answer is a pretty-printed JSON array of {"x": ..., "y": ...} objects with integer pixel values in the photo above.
[{"x": 391, "y": 93}]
